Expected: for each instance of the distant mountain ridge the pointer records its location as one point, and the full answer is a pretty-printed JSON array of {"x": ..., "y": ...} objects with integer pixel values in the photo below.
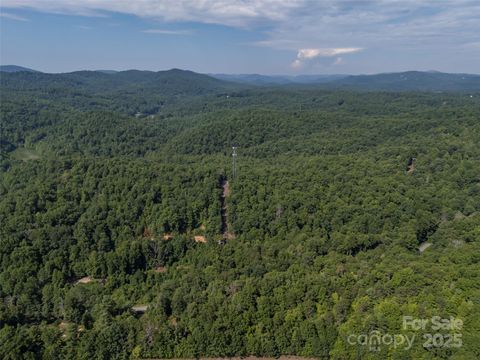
[
  {"x": 169, "y": 83},
  {"x": 15, "y": 68},
  {"x": 411, "y": 81},
  {"x": 176, "y": 81},
  {"x": 402, "y": 81},
  {"x": 107, "y": 71},
  {"x": 258, "y": 79}
]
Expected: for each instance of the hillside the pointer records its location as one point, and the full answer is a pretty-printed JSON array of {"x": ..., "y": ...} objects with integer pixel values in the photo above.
[
  {"x": 171, "y": 82},
  {"x": 180, "y": 82},
  {"x": 133, "y": 91},
  {"x": 403, "y": 81},
  {"x": 411, "y": 81},
  {"x": 14, "y": 69},
  {"x": 120, "y": 238},
  {"x": 257, "y": 79}
]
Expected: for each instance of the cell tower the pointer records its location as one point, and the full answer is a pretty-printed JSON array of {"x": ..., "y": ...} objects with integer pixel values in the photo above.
[{"x": 234, "y": 162}]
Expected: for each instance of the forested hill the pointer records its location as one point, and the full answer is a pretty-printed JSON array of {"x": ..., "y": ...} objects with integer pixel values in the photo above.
[
  {"x": 14, "y": 68},
  {"x": 402, "y": 81},
  {"x": 132, "y": 91},
  {"x": 411, "y": 81},
  {"x": 168, "y": 83},
  {"x": 171, "y": 82},
  {"x": 269, "y": 80},
  {"x": 182, "y": 82},
  {"x": 349, "y": 211}
]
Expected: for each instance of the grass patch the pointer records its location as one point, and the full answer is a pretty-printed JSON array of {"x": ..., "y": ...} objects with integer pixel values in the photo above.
[{"x": 25, "y": 154}]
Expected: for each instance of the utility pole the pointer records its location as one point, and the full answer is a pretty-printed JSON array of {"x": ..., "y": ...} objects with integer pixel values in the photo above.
[{"x": 234, "y": 162}]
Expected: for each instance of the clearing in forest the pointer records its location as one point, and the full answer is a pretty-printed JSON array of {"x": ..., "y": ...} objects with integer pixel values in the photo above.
[
  {"x": 226, "y": 228},
  {"x": 200, "y": 239},
  {"x": 424, "y": 246},
  {"x": 85, "y": 280},
  {"x": 25, "y": 154},
  {"x": 411, "y": 165}
]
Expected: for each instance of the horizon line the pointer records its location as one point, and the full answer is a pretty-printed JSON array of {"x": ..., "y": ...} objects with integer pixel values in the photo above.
[{"x": 243, "y": 74}]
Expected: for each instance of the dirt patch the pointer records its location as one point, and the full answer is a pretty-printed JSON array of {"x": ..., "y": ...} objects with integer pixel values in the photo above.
[
  {"x": 167, "y": 236},
  {"x": 63, "y": 325},
  {"x": 411, "y": 165},
  {"x": 89, "y": 279},
  {"x": 147, "y": 234},
  {"x": 424, "y": 246},
  {"x": 226, "y": 188},
  {"x": 226, "y": 228},
  {"x": 139, "y": 309},
  {"x": 229, "y": 236},
  {"x": 85, "y": 280},
  {"x": 199, "y": 239},
  {"x": 172, "y": 321},
  {"x": 160, "y": 269}
]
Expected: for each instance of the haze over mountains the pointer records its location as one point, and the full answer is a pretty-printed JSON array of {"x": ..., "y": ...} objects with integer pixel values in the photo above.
[
  {"x": 259, "y": 79},
  {"x": 402, "y": 81}
]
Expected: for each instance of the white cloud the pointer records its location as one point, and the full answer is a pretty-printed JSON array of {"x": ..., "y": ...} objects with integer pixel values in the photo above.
[
  {"x": 313, "y": 53},
  {"x": 294, "y": 24},
  {"x": 240, "y": 13},
  {"x": 167, "y": 32},
  {"x": 13, "y": 16},
  {"x": 308, "y": 55},
  {"x": 398, "y": 31}
]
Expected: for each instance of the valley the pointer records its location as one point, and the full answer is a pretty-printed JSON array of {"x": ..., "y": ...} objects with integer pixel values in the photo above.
[{"x": 126, "y": 234}]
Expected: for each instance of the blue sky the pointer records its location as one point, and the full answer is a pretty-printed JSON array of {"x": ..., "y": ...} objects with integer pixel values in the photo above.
[{"x": 243, "y": 36}]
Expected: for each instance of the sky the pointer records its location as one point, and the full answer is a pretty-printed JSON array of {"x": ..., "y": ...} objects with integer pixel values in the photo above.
[{"x": 242, "y": 36}]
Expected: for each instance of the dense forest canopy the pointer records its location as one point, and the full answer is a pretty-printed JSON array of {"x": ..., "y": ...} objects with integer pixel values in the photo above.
[{"x": 349, "y": 210}]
